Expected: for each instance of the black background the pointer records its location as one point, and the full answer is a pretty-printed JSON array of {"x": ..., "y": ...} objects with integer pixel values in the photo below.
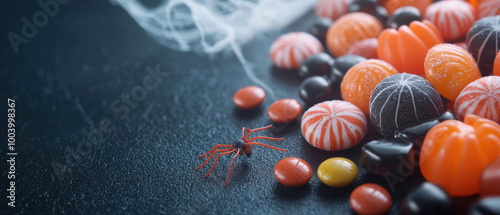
[{"x": 64, "y": 81}]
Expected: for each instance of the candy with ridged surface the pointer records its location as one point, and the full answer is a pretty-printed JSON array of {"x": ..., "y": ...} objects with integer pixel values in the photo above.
[
  {"x": 483, "y": 42},
  {"x": 481, "y": 98},
  {"x": 452, "y": 18},
  {"x": 289, "y": 51},
  {"x": 402, "y": 100},
  {"x": 333, "y": 125},
  {"x": 332, "y": 9}
]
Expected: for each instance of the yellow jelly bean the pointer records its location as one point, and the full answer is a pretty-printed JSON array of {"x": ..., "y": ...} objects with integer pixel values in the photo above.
[{"x": 337, "y": 172}]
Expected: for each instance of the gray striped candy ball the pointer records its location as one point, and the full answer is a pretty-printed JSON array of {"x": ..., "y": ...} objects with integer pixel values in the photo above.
[
  {"x": 402, "y": 100},
  {"x": 483, "y": 42}
]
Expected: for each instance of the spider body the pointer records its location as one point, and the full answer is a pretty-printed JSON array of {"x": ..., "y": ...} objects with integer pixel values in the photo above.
[{"x": 238, "y": 148}]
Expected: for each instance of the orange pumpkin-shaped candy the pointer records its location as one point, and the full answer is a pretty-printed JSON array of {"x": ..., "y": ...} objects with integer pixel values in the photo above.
[
  {"x": 392, "y": 5},
  {"x": 407, "y": 47},
  {"x": 349, "y": 29},
  {"x": 454, "y": 154}
]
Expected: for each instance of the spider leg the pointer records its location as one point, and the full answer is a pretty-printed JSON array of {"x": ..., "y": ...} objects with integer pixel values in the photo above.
[
  {"x": 243, "y": 132},
  {"x": 262, "y": 137},
  {"x": 218, "y": 156},
  {"x": 210, "y": 157},
  {"x": 268, "y": 146},
  {"x": 231, "y": 168},
  {"x": 257, "y": 129},
  {"x": 216, "y": 146}
]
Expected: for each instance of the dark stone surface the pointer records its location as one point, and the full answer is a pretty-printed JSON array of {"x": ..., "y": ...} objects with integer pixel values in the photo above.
[{"x": 141, "y": 159}]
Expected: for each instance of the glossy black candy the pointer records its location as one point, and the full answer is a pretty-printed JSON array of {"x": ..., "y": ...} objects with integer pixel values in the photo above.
[
  {"x": 320, "y": 27},
  {"x": 486, "y": 206},
  {"x": 344, "y": 63},
  {"x": 370, "y": 7},
  {"x": 366, "y": 6},
  {"x": 315, "y": 89},
  {"x": 402, "y": 100},
  {"x": 413, "y": 132},
  {"x": 388, "y": 156},
  {"x": 403, "y": 16},
  {"x": 483, "y": 42},
  {"x": 319, "y": 64},
  {"x": 426, "y": 199}
]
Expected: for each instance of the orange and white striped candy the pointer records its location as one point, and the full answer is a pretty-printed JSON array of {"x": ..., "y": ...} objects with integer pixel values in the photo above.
[
  {"x": 481, "y": 97},
  {"x": 334, "y": 125},
  {"x": 289, "y": 51},
  {"x": 452, "y": 18},
  {"x": 332, "y": 9},
  {"x": 488, "y": 8}
]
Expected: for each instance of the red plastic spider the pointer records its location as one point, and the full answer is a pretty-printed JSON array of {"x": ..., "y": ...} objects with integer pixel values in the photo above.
[{"x": 239, "y": 147}]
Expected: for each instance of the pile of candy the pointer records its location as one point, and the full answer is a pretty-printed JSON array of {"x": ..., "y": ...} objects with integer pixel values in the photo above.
[{"x": 424, "y": 74}]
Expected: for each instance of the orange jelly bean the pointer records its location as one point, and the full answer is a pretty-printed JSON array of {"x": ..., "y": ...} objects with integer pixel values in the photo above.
[
  {"x": 249, "y": 97},
  {"x": 392, "y": 5},
  {"x": 284, "y": 110},
  {"x": 359, "y": 82},
  {"x": 450, "y": 69},
  {"x": 407, "y": 47},
  {"x": 349, "y": 29},
  {"x": 293, "y": 172},
  {"x": 454, "y": 154},
  {"x": 496, "y": 65},
  {"x": 370, "y": 198}
]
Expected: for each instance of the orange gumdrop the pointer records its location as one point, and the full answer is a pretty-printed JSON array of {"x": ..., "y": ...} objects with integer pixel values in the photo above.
[
  {"x": 496, "y": 65},
  {"x": 349, "y": 29},
  {"x": 407, "y": 47},
  {"x": 359, "y": 82},
  {"x": 454, "y": 154},
  {"x": 392, "y": 5},
  {"x": 450, "y": 69}
]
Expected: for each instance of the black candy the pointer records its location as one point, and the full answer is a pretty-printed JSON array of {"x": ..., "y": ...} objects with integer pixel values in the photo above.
[
  {"x": 426, "y": 199},
  {"x": 402, "y": 100},
  {"x": 486, "y": 206},
  {"x": 319, "y": 64},
  {"x": 403, "y": 16},
  {"x": 384, "y": 156},
  {"x": 315, "y": 89},
  {"x": 362, "y": 6},
  {"x": 319, "y": 28},
  {"x": 483, "y": 42},
  {"x": 344, "y": 63}
]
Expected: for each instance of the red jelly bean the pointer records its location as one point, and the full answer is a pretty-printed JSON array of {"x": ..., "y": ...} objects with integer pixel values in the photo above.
[
  {"x": 489, "y": 184},
  {"x": 370, "y": 199},
  {"x": 249, "y": 97},
  {"x": 293, "y": 172},
  {"x": 284, "y": 110}
]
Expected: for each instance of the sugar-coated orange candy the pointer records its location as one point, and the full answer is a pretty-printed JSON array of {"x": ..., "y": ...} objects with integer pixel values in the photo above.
[
  {"x": 392, "y": 5},
  {"x": 452, "y": 18},
  {"x": 359, "y": 82},
  {"x": 454, "y": 154},
  {"x": 496, "y": 65},
  {"x": 406, "y": 48},
  {"x": 349, "y": 29},
  {"x": 450, "y": 68}
]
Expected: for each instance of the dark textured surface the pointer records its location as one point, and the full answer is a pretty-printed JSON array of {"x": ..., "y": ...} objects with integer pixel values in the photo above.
[{"x": 64, "y": 81}]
